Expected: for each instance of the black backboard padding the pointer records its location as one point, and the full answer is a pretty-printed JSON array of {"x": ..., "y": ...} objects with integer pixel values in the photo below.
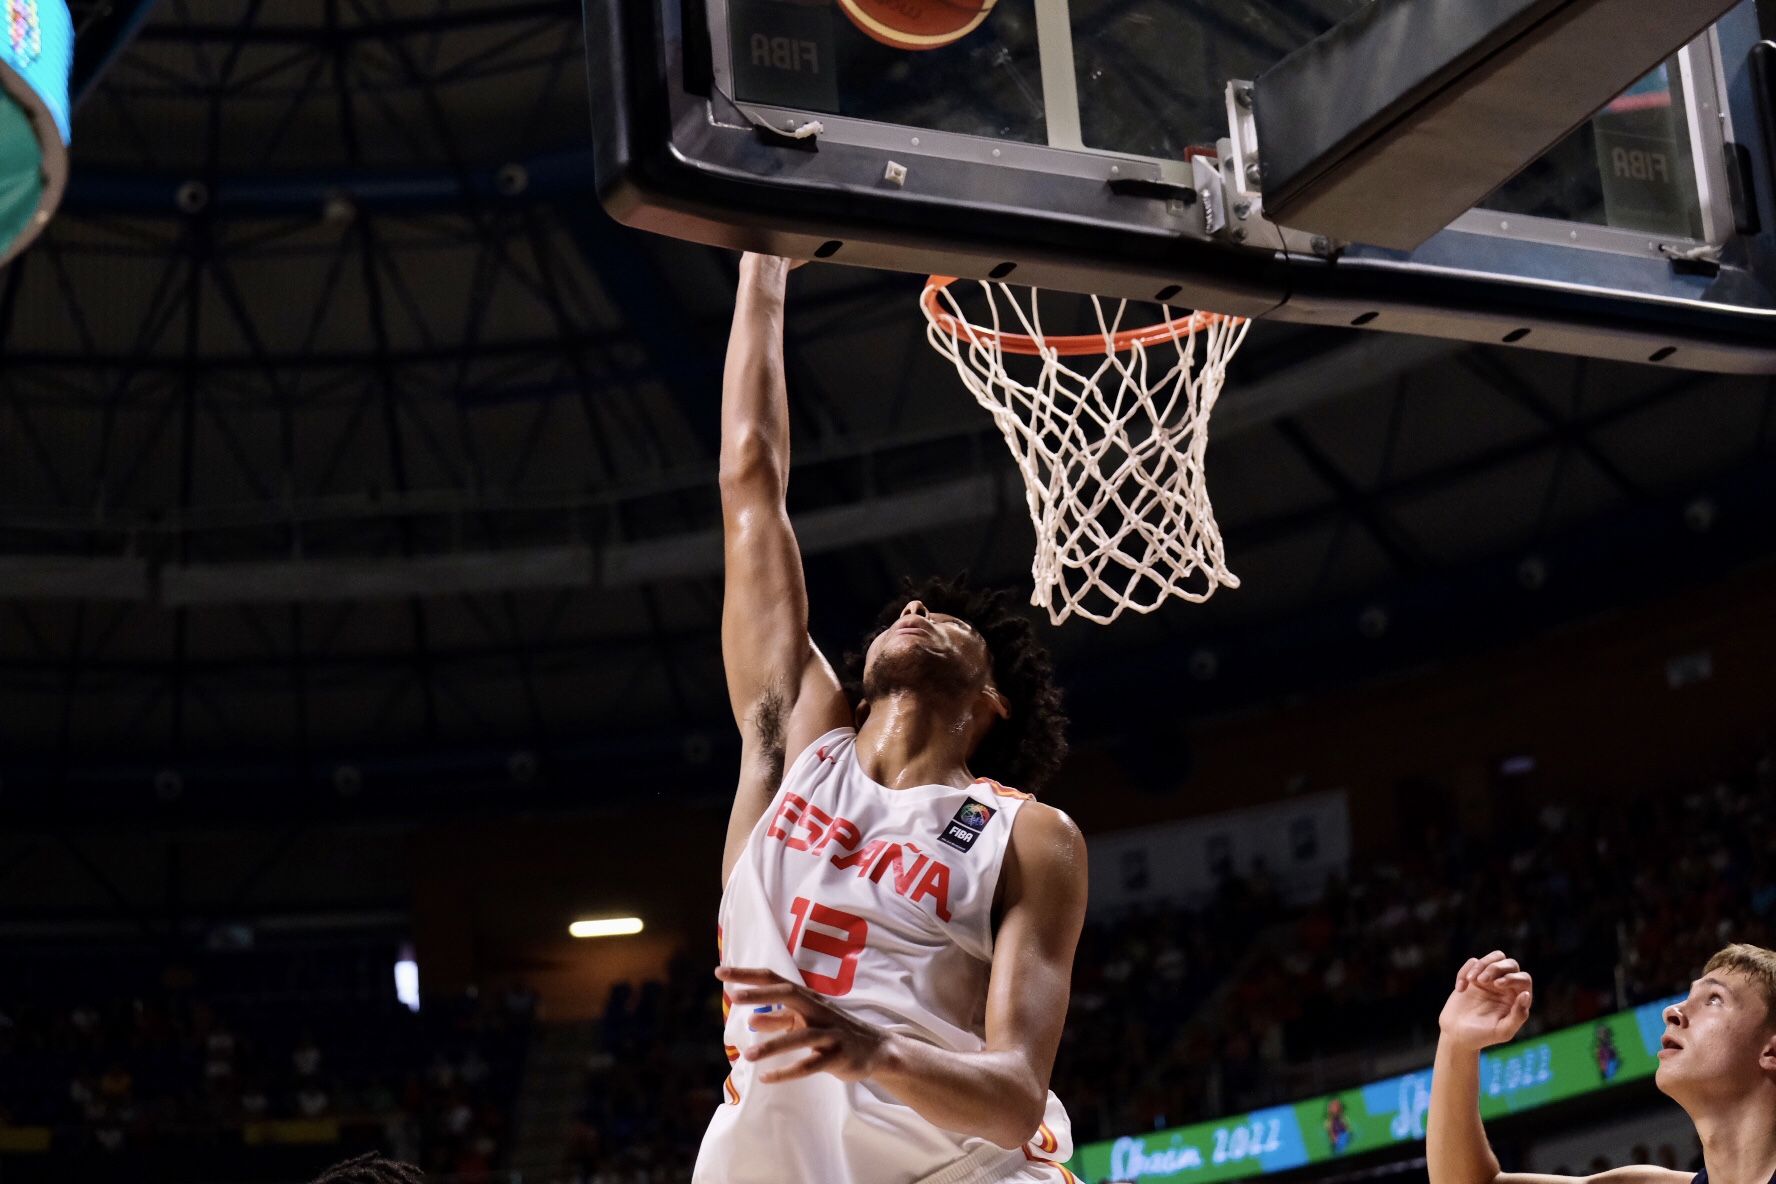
[{"x": 1398, "y": 120}]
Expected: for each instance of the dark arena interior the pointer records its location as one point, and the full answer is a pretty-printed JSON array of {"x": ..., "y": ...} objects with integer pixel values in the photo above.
[{"x": 361, "y": 590}]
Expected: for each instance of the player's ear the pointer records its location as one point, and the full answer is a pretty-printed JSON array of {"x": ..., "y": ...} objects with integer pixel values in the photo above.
[
  {"x": 859, "y": 714},
  {"x": 996, "y": 702},
  {"x": 1767, "y": 1054}
]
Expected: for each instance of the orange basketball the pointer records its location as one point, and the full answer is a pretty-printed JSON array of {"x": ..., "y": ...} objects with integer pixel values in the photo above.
[{"x": 918, "y": 24}]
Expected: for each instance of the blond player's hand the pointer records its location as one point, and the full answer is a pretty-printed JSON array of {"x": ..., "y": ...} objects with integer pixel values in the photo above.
[
  {"x": 836, "y": 1043},
  {"x": 1489, "y": 1004}
]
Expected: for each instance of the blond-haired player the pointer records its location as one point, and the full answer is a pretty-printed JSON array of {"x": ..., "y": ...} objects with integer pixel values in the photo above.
[{"x": 1717, "y": 1061}]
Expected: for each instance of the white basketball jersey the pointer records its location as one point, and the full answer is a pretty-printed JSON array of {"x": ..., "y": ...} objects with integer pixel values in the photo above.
[{"x": 881, "y": 900}]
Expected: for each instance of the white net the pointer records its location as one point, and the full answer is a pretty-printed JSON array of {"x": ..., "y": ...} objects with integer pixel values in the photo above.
[{"x": 1110, "y": 444}]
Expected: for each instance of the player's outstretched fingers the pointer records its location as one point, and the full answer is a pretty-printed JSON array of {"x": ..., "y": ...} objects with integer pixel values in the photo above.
[
  {"x": 1496, "y": 971},
  {"x": 748, "y": 985},
  {"x": 815, "y": 1038},
  {"x": 819, "y": 1062},
  {"x": 1465, "y": 975},
  {"x": 772, "y": 1020},
  {"x": 749, "y": 975},
  {"x": 785, "y": 994},
  {"x": 1478, "y": 974}
]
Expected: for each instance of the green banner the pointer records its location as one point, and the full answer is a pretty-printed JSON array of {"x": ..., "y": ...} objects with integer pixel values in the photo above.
[{"x": 1516, "y": 1077}]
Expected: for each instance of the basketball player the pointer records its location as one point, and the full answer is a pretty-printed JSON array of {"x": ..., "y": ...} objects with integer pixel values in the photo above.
[
  {"x": 897, "y": 933},
  {"x": 1718, "y": 1061}
]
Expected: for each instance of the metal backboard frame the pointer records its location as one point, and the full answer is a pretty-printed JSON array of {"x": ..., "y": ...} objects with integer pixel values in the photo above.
[{"x": 678, "y": 154}]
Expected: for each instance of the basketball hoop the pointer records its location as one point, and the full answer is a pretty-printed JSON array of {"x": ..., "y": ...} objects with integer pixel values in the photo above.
[{"x": 1111, "y": 453}]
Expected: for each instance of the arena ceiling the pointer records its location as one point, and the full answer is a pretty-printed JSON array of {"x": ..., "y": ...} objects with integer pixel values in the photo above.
[{"x": 341, "y": 432}]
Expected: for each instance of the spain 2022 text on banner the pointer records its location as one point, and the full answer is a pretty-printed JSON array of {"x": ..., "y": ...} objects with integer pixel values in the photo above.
[{"x": 1553, "y": 1067}]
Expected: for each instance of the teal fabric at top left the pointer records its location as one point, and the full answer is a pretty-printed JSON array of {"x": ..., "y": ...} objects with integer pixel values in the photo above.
[{"x": 21, "y": 173}]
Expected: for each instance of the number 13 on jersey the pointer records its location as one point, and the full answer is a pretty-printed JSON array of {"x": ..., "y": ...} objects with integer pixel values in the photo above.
[{"x": 830, "y": 936}]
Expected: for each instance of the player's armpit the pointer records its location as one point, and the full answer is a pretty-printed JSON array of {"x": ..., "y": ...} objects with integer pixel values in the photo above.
[
  {"x": 1042, "y": 910},
  {"x": 1629, "y": 1174},
  {"x": 773, "y": 734}
]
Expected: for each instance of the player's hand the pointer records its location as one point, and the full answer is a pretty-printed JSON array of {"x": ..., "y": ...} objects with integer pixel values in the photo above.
[
  {"x": 847, "y": 1048},
  {"x": 756, "y": 258},
  {"x": 1489, "y": 1004}
]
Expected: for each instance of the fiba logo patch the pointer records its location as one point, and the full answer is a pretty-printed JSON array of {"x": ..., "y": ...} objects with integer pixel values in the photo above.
[{"x": 962, "y": 830}]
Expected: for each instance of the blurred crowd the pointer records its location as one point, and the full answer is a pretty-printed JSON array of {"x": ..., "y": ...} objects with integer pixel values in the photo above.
[
  {"x": 1609, "y": 906},
  {"x": 238, "y": 1061},
  {"x": 652, "y": 1080}
]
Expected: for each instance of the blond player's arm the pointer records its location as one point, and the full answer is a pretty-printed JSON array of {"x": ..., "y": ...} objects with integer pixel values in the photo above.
[
  {"x": 1000, "y": 1093},
  {"x": 1488, "y": 1006},
  {"x": 782, "y": 691}
]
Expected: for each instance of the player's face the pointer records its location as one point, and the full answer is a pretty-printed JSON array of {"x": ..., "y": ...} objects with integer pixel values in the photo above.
[
  {"x": 1718, "y": 1041},
  {"x": 926, "y": 650}
]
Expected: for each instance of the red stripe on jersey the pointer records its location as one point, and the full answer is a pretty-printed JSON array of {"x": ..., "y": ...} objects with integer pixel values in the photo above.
[{"x": 1003, "y": 790}]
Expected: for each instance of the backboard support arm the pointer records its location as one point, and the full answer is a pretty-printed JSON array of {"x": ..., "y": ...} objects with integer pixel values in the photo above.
[{"x": 1366, "y": 140}]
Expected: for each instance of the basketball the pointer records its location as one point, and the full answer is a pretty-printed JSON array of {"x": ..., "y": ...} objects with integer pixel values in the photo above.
[{"x": 918, "y": 24}]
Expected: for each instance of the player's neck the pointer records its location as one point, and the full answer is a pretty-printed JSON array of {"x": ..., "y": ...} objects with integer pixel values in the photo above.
[
  {"x": 910, "y": 739},
  {"x": 1739, "y": 1138}
]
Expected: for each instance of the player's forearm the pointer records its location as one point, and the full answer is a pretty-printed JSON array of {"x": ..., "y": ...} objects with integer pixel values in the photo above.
[
  {"x": 755, "y": 405},
  {"x": 992, "y": 1095},
  {"x": 1456, "y": 1150}
]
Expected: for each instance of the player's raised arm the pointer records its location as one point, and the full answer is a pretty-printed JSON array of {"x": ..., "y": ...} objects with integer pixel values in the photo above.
[
  {"x": 782, "y": 691},
  {"x": 1488, "y": 1006}
]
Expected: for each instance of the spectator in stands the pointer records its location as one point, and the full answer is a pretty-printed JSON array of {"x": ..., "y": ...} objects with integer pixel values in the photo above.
[{"x": 176, "y": 1059}]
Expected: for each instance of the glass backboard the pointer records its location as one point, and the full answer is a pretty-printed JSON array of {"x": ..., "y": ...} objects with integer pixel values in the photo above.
[
  {"x": 1065, "y": 141},
  {"x": 1148, "y": 80}
]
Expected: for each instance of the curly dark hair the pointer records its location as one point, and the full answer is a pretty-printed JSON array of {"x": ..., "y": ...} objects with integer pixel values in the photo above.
[
  {"x": 371, "y": 1168},
  {"x": 1025, "y": 750}
]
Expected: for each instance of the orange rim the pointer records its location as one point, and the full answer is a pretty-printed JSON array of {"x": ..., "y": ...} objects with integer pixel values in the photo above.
[{"x": 1066, "y": 346}]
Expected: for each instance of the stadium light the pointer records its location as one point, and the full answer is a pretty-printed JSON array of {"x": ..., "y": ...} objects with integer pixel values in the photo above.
[
  {"x": 605, "y": 927},
  {"x": 407, "y": 982}
]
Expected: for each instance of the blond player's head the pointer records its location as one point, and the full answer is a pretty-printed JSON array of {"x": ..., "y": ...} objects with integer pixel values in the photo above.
[{"x": 1720, "y": 1040}]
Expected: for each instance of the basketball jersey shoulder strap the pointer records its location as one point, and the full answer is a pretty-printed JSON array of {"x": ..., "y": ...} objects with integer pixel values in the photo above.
[{"x": 988, "y": 785}]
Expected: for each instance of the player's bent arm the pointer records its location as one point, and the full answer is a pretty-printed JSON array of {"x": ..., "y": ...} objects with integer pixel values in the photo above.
[
  {"x": 1001, "y": 1092},
  {"x": 1456, "y": 1148},
  {"x": 782, "y": 691}
]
